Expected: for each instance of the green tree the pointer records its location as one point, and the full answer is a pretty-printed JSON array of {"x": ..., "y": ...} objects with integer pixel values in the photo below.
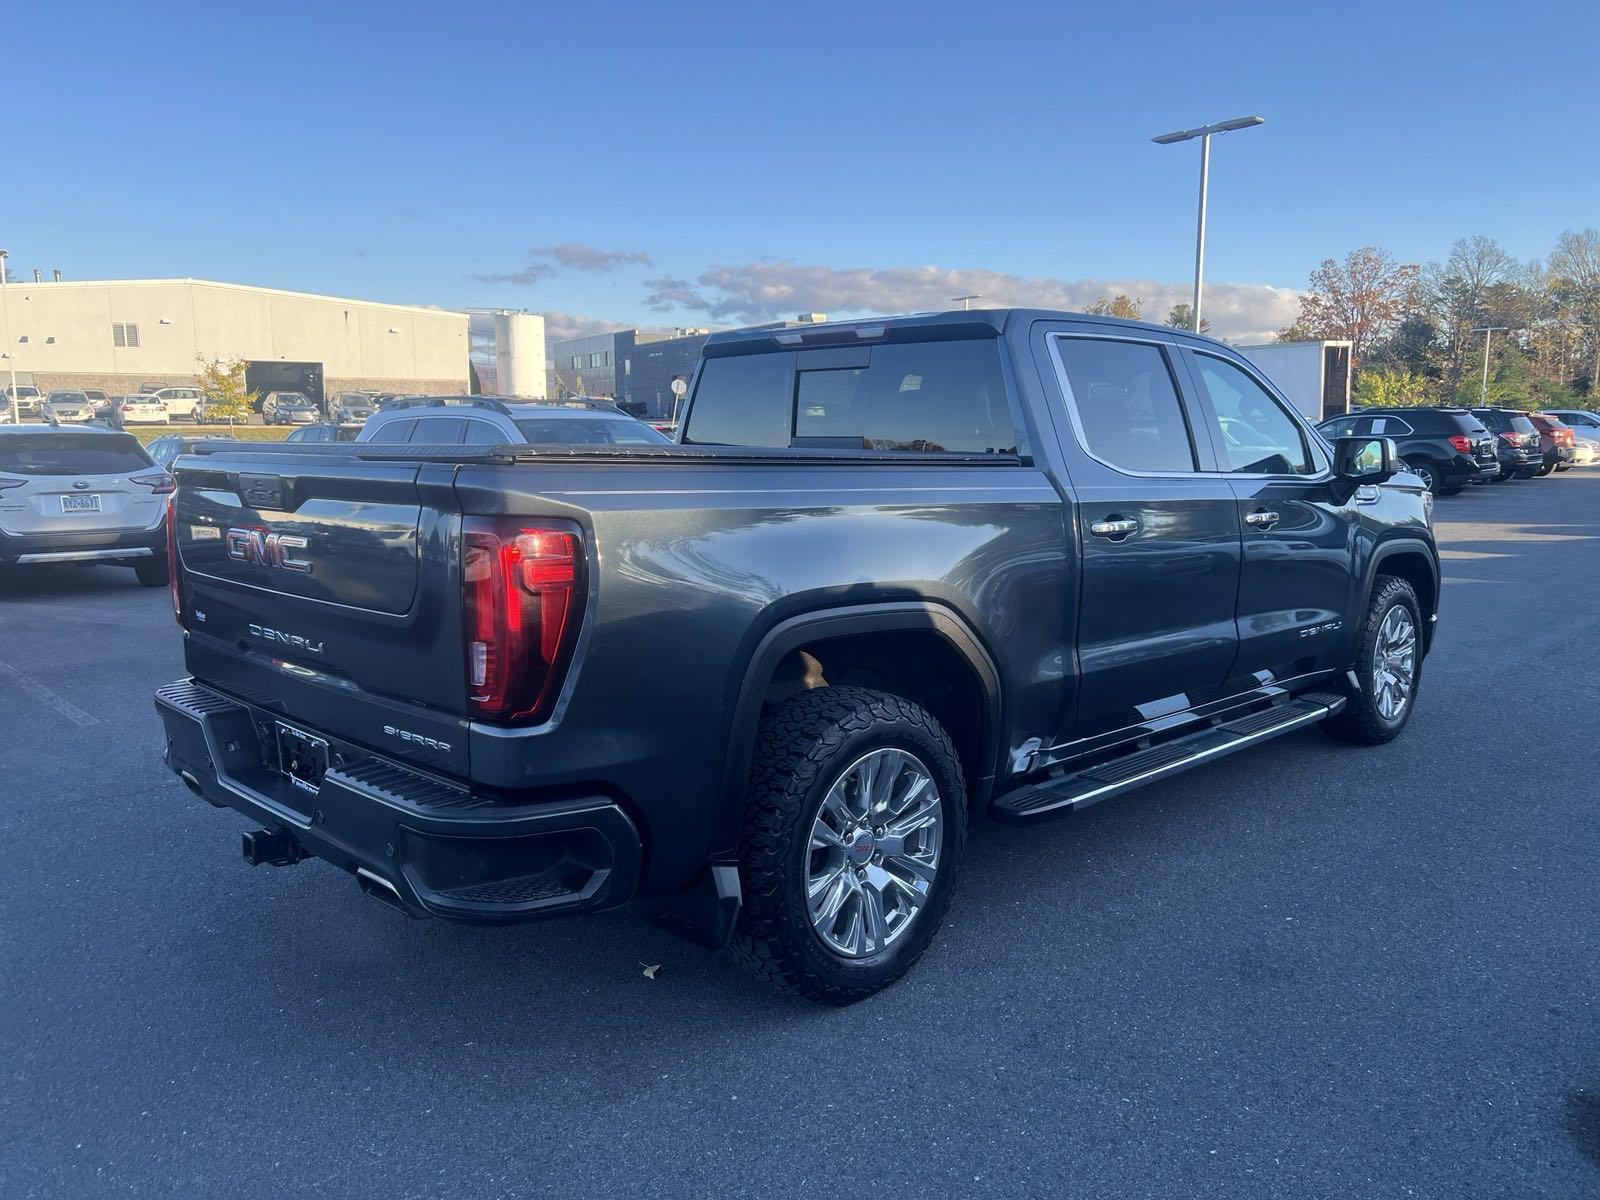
[
  {"x": 1181, "y": 316},
  {"x": 1511, "y": 382},
  {"x": 227, "y": 398},
  {"x": 1390, "y": 388},
  {"x": 1121, "y": 305}
]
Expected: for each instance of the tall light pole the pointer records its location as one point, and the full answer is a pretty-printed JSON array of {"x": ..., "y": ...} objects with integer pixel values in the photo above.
[
  {"x": 1204, "y": 134},
  {"x": 1488, "y": 332},
  {"x": 5, "y": 326},
  {"x": 966, "y": 301}
]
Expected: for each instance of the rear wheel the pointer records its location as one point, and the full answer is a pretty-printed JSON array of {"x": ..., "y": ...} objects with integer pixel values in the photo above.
[
  {"x": 1545, "y": 470},
  {"x": 853, "y": 836},
  {"x": 1388, "y": 667},
  {"x": 1424, "y": 470},
  {"x": 152, "y": 572}
]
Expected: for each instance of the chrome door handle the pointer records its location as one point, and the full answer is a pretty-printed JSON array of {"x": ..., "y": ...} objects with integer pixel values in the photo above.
[
  {"x": 1262, "y": 519},
  {"x": 1115, "y": 527}
]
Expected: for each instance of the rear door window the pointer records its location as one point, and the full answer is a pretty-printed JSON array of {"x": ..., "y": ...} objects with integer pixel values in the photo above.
[
  {"x": 392, "y": 433},
  {"x": 485, "y": 433},
  {"x": 438, "y": 431},
  {"x": 68, "y": 454},
  {"x": 1126, "y": 405}
]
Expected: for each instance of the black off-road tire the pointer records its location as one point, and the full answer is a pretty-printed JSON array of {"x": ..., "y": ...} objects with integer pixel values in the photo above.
[
  {"x": 802, "y": 747},
  {"x": 152, "y": 572},
  {"x": 1360, "y": 721}
]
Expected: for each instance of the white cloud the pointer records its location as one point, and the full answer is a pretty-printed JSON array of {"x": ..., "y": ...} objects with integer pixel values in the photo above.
[{"x": 771, "y": 290}]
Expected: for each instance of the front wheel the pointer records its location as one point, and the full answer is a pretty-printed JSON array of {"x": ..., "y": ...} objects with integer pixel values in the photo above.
[
  {"x": 1388, "y": 667},
  {"x": 1545, "y": 470},
  {"x": 853, "y": 835}
]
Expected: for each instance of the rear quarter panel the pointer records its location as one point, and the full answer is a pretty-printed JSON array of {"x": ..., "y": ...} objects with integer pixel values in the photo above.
[{"x": 691, "y": 565}]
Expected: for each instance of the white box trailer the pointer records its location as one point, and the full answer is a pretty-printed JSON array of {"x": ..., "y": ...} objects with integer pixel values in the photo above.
[{"x": 1314, "y": 375}]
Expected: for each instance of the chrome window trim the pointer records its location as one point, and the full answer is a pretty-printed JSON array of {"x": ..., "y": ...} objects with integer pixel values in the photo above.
[
  {"x": 1163, "y": 346},
  {"x": 1322, "y": 464}
]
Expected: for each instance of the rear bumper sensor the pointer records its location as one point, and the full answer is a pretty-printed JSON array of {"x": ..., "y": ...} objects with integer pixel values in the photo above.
[
  {"x": 1089, "y": 785},
  {"x": 422, "y": 845}
]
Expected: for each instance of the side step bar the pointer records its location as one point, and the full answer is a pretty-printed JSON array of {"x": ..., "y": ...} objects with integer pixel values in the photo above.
[{"x": 1075, "y": 790}]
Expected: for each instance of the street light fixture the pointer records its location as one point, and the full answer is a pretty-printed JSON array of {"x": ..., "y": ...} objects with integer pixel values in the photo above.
[
  {"x": 1204, "y": 134},
  {"x": 966, "y": 301},
  {"x": 1488, "y": 332},
  {"x": 5, "y": 328}
]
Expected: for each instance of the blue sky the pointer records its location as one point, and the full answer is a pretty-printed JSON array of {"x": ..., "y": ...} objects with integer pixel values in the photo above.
[{"x": 747, "y": 161}]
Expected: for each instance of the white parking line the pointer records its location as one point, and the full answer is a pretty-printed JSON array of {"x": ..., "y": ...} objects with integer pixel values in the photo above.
[{"x": 45, "y": 696}]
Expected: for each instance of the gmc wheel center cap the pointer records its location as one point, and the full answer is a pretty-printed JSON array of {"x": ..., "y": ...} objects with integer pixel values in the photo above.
[{"x": 860, "y": 849}]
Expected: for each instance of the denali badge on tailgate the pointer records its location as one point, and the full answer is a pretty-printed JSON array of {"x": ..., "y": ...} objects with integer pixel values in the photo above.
[{"x": 261, "y": 545}]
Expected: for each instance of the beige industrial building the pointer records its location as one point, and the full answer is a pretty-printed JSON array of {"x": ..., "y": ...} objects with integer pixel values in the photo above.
[{"x": 120, "y": 334}]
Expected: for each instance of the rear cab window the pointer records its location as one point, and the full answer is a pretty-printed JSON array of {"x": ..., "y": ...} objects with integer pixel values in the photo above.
[
  {"x": 68, "y": 454},
  {"x": 930, "y": 396}
]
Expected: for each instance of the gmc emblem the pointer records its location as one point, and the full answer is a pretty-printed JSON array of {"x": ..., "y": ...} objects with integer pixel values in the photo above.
[{"x": 269, "y": 549}]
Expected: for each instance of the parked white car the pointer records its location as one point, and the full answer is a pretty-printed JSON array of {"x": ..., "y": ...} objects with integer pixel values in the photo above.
[
  {"x": 78, "y": 494},
  {"x": 143, "y": 409},
  {"x": 182, "y": 402}
]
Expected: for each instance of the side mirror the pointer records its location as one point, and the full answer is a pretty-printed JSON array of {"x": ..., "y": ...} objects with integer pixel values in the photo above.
[{"x": 1365, "y": 459}]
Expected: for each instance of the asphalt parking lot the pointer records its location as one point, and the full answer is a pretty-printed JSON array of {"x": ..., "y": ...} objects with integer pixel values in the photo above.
[{"x": 1311, "y": 970}]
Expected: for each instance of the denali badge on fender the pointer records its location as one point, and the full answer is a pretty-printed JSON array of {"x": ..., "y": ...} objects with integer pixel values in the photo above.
[{"x": 260, "y": 545}]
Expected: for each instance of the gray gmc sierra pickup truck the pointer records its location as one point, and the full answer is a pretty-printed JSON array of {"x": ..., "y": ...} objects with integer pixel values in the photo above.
[{"x": 897, "y": 577}]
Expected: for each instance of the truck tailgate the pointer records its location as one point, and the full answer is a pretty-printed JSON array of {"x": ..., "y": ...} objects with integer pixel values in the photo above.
[{"x": 328, "y": 588}]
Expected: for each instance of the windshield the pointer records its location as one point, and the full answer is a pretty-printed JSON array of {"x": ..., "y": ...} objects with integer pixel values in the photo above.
[
  {"x": 69, "y": 454},
  {"x": 68, "y": 398},
  {"x": 24, "y": 392},
  {"x": 589, "y": 431}
]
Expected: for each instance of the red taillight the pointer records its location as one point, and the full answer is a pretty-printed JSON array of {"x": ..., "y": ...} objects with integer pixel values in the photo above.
[
  {"x": 1514, "y": 438},
  {"x": 522, "y": 592},
  {"x": 160, "y": 484},
  {"x": 172, "y": 559},
  {"x": 1461, "y": 442},
  {"x": 1564, "y": 437}
]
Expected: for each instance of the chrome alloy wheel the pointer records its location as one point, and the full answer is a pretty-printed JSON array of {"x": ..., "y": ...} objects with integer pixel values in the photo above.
[
  {"x": 874, "y": 852},
  {"x": 1394, "y": 661}
]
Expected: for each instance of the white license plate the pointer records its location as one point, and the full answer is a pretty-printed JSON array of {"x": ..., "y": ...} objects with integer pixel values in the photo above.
[{"x": 76, "y": 504}]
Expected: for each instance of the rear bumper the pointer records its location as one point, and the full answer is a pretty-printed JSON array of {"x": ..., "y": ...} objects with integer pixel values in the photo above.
[
  {"x": 86, "y": 546},
  {"x": 424, "y": 846},
  {"x": 1462, "y": 469}
]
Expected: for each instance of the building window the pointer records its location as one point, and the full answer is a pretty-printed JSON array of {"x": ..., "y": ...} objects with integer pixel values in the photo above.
[
  {"x": 577, "y": 361},
  {"x": 627, "y": 366},
  {"x": 597, "y": 359},
  {"x": 125, "y": 335},
  {"x": 605, "y": 358}
]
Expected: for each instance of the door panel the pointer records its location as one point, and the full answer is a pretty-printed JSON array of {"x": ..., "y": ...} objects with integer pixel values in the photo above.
[
  {"x": 1159, "y": 531},
  {"x": 1299, "y": 543},
  {"x": 1295, "y": 584},
  {"x": 1156, "y": 629}
]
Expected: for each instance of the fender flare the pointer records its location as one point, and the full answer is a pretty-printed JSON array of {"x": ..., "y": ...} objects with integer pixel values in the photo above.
[
  {"x": 796, "y": 631},
  {"x": 1416, "y": 547}
]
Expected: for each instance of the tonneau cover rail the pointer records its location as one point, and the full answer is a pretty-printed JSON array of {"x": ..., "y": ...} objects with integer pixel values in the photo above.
[{"x": 521, "y": 453}]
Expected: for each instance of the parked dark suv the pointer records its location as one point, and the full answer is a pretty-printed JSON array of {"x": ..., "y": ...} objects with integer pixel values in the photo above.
[
  {"x": 1516, "y": 441},
  {"x": 1447, "y": 447}
]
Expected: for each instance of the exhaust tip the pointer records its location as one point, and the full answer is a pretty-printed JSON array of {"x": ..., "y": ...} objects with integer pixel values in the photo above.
[{"x": 380, "y": 889}]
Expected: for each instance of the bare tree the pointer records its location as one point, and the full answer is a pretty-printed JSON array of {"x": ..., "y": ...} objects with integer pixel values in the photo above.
[
  {"x": 1574, "y": 284},
  {"x": 1361, "y": 299}
]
